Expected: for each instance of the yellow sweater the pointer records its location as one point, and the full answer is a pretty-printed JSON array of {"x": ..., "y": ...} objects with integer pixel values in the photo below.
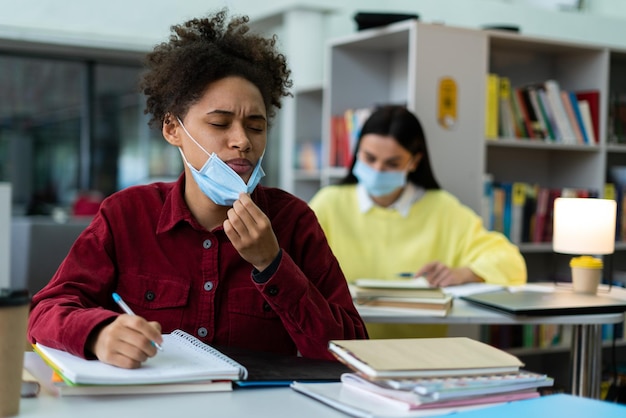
[{"x": 382, "y": 243}]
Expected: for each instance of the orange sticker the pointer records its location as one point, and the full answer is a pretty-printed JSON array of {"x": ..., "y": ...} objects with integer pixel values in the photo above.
[{"x": 447, "y": 103}]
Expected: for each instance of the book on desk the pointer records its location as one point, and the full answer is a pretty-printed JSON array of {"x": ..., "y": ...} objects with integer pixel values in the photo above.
[
  {"x": 395, "y": 377},
  {"x": 185, "y": 365},
  {"x": 418, "y": 357},
  {"x": 415, "y": 296}
]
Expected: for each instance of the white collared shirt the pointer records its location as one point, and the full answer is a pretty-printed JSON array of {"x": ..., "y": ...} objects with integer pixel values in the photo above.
[{"x": 409, "y": 196}]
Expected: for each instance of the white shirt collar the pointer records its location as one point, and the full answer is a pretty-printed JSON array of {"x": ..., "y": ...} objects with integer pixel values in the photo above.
[{"x": 409, "y": 196}]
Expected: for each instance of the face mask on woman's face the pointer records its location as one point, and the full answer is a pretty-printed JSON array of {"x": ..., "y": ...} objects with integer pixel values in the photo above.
[
  {"x": 378, "y": 183},
  {"x": 218, "y": 181}
]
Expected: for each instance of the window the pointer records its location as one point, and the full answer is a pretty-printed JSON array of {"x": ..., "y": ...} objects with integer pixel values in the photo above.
[{"x": 72, "y": 125}]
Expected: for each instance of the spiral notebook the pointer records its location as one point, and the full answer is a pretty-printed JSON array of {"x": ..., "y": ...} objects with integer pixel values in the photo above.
[{"x": 184, "y": 359}]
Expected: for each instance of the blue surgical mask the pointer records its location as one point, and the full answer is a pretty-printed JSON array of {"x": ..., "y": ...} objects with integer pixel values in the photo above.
[
  {"x": 378, "y": 183},
  {"x": 217, "y": 180}
]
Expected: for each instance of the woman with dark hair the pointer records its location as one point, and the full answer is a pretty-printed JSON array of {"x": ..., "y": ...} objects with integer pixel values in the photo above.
[
  {"x": 389, "y": 217},
  {"x": 214, "y": 253}
]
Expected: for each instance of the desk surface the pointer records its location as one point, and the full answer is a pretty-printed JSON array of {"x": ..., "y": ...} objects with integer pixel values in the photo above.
[
  {"x": 257, "y": 403},
  {"x": 463, "y": 312}
]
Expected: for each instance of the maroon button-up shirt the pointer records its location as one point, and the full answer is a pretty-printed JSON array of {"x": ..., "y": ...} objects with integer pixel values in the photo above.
[{"x": 145, "y": 245}]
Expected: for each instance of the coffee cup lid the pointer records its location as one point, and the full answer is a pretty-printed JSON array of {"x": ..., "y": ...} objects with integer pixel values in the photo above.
[{"x": 14, "y": 297}]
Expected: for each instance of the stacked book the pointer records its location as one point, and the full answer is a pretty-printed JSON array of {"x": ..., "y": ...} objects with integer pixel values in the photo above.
[
  {"x": 416, "y": 374},
  {"x": 415, "y": 295}
]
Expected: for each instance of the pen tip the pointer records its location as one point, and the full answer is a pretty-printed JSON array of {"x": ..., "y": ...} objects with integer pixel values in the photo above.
[{"x": 116, "y": 297}]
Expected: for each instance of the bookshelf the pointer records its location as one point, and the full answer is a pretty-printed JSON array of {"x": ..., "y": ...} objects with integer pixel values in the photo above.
[{"x": 406, "y": 62}]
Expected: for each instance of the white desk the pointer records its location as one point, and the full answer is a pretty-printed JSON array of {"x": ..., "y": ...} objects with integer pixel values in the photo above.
[
  {"x": 586, "y": 345},
  {"x": 249, "y": 403}
]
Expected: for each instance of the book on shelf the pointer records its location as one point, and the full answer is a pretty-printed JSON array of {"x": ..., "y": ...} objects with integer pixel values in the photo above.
[
  {"x": 592, "y": 97},
  {"x": 418, "y": 357},
  {"x": 561, "y": 119},
  {"x": 491, "y": 106},
  {"x": 587, "y": 123},
  {"x": 184, "y": 359},
  {"x": 571, "y": 116},
  {"x": 506, "y": 116}
]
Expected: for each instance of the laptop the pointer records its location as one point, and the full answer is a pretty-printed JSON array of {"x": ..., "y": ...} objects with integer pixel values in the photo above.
[{"x": 537, "y": 303}]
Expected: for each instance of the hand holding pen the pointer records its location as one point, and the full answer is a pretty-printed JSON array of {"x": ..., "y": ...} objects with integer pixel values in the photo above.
[{"x": 118, "y": 299}]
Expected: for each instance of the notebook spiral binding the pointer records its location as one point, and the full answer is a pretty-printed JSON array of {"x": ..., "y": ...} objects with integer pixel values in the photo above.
[{"x": 196, "y": 344}]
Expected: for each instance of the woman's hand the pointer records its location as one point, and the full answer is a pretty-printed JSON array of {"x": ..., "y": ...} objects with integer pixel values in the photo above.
[
  {"x": 250, "y": 231},
  {"x": 126, "y": 342},
  {"x": 440, "y": 275}
]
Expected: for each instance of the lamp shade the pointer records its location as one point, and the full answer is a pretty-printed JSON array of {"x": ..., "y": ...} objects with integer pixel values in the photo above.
[{"x": 584, "y": 226}]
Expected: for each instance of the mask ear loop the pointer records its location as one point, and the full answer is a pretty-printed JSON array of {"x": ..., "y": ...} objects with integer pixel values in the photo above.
[{"x": 191, "y": 137}]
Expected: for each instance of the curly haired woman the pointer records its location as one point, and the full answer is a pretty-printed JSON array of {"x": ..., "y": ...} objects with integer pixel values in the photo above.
[{"x": 214, "y": 253}]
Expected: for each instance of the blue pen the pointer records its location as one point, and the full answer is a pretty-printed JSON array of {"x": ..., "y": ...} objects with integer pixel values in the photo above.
[
  {"x": 406, "y": 274},
  {"x": 118, "y": 299}
]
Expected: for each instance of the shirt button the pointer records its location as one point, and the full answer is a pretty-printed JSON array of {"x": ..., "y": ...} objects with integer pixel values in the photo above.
[
  {"x": 208, "y": 286},
  {"x": 207, "y": 244},
  {"x": 272, "y": 290},
  {"x": 267, "y": 307},
  {"x": 149, "y": 295},
  {"x": 202, "y": 332}
]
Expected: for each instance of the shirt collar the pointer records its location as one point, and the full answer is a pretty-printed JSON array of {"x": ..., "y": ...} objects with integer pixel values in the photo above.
[
  {"x": 409, "y": 196},
  {"x": 174, "y": 207}
]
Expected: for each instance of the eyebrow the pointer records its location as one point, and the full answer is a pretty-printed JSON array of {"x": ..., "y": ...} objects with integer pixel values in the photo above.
[
  {"x": 229, "y": 113},
  {"x": 393, "y": 159}
]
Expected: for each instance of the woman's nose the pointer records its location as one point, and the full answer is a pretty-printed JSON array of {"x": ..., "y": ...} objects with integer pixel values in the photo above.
[{"x": 237, "y": 138}]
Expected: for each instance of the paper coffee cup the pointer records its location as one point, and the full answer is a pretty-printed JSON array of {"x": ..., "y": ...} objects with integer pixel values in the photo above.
[
  {"x": 14, "y": 307},
  {"x": 586, "y": 274}
]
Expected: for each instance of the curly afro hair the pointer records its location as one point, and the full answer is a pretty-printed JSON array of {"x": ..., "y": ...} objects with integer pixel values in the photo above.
[{"x": 201, "y": 51}]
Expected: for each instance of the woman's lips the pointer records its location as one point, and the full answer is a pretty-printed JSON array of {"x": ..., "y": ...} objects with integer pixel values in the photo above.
[{"x": 240, "y": 165}]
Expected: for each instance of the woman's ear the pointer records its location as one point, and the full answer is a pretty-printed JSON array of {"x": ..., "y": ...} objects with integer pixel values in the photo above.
[
  {"x": 416, "y": 162},
  {"x": 171, "y": 130}
]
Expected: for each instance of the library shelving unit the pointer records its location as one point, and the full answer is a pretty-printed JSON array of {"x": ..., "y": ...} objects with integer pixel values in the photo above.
[
  {"x": 408, "y": 63},
  {"x": 306, "y": 165},
  {"x": 412, "y": 62}
]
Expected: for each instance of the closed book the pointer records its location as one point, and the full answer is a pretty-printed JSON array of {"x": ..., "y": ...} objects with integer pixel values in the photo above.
[
  {"x": 418, "y": 357},
  {"x": 593, "y": 98},
  {"x": 571, "y": 116},
  {"x": 585, "y": 115},
  {"x": 422, "y": 306},
  {"x": 458, "y": 387},
  {"x": 491, "y": 106},
  {"x": 434, "y": 294},
  {"x": 561, "y": 119}
]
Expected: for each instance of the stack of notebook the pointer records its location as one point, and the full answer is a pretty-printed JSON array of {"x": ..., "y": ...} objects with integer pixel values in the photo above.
[
  {"x": 185, "y": 365},
  {"x": 425, "y": 373},
  {"x": 415, "y": 295}
]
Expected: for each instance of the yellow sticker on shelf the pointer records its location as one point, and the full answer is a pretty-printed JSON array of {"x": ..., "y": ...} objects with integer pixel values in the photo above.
[{"x": 447, "y": 103}]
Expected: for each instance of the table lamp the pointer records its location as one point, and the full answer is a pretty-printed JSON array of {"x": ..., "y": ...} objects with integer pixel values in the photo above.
[{"x": 585, "y": 227}]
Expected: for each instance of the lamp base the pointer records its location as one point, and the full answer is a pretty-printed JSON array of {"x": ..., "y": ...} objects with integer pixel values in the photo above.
[{"x": 586, "y": 274}]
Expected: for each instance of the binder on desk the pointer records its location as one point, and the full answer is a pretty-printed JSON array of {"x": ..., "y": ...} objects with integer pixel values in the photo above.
[
  {"x": 560, "y": 405},
  {"x": 537, "y": 303}
]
